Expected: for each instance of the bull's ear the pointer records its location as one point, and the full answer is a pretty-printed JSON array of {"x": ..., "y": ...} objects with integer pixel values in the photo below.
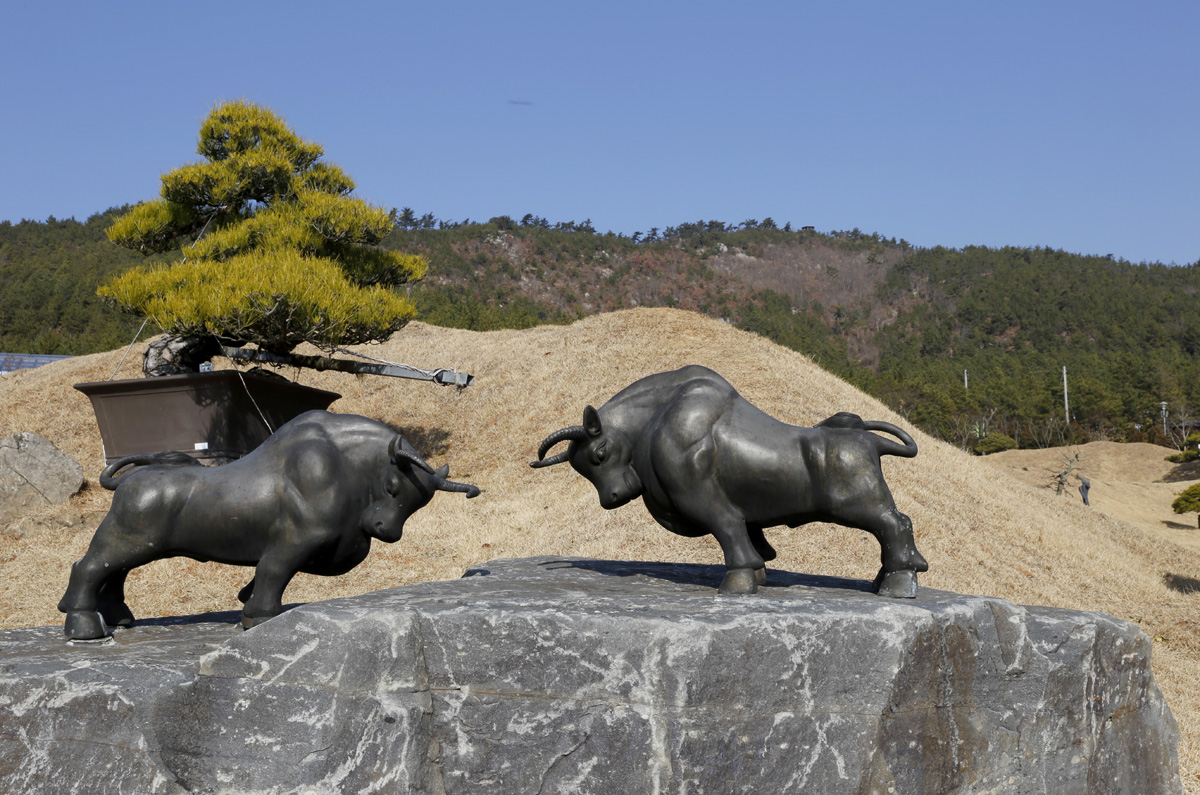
[
  {"x": 591, "y": 422},
  {"x": 443, "y": 471}
]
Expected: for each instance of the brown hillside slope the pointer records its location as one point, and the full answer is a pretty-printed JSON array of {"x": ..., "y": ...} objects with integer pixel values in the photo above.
[
  {"x": 982, "y": 531},
  {"x": 1130, "y": 482}
]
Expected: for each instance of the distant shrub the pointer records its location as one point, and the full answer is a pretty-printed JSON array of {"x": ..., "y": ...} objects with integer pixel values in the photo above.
[
  {"x": 1190, "y": 451},
  {"x": 994, "y": 443},
  {"x": 1188, "y": 500}
]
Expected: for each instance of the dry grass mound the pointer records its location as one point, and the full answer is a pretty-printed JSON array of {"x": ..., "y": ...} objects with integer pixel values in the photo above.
[
  {"x": 1131, "y": 482},
  {"x": 981, "y": 530}
]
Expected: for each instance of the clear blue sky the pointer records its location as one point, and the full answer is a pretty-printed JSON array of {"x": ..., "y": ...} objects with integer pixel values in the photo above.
[{"x": 1065, "y": 124}]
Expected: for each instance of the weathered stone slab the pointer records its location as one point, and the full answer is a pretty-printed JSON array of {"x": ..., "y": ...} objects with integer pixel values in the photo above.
[
  {"x": 79, "y": 719},
  {"x": 569, "y": 675},
  {"x": 34, "y": 475}
]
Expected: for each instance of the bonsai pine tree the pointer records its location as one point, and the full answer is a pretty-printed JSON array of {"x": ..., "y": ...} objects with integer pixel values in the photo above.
[
  {"x": 275, "y": 250},
  {"x": 1188, "y": 500}
]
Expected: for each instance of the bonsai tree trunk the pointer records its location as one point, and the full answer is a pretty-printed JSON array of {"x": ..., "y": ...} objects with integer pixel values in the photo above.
[{"x": 177, "y": 355}]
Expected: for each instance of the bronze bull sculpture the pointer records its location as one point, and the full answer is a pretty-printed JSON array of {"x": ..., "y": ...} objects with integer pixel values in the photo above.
[
  {"x": 705, "y": 461},
  {"x": 310, "y": 499}
]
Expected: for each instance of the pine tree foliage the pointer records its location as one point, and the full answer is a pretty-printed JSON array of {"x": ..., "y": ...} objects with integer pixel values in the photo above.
[
  {"x": 275, "y": 249},
  {"x": 275, "y": 299},
  {"x": 1188, "y": 500}
]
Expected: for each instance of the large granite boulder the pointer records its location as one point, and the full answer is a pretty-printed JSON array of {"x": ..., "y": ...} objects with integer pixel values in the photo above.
[
  {"x": 570, "y": 675},
  {"x": 34, "y": 475}
]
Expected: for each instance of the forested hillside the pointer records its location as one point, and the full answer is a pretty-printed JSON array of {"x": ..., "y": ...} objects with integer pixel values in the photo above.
[
  {"x": 49, "y": 272},
  {"x": 1012, "y": 318},
  {"x": 900, "y": 322}
]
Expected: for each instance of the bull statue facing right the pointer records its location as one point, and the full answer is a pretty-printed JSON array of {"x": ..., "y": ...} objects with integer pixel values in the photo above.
[
  {"x": 309, "y": 499},
  {"x": 705, "y": 460}
]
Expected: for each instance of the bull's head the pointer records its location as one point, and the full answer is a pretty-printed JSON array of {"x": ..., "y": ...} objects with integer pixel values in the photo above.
[
  {"x": 604, "y": 458},
  {"x": 408, "y": 486}
]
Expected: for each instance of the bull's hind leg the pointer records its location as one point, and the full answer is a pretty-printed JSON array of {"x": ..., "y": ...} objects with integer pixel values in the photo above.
[
  {"x": 95, "y": 591},
  {"x": 899, "y": 559},
  {"x": 112, "y": 604},
  {"x": 82, "y": 598}
]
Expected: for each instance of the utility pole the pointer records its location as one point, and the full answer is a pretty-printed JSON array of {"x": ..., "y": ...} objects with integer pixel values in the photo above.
[
  {"x": 1066, "y": 405},
  {"x": 1164, "y": 416},
  {"x": 964, "y": 379}
]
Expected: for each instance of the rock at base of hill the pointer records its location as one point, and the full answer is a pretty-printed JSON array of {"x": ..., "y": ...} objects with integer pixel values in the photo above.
[
  {"x": 574, "y": 675},
  {"x": 34, "y": 475}
]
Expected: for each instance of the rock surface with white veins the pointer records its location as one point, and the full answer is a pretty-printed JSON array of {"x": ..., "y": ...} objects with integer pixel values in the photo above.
[{"x": 571, "y": 675}]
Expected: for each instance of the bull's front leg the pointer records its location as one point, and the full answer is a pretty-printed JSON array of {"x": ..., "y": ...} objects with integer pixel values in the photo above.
[
  {"x": 764, "y": 549},
  {"x": 247, "y": 589},
  {"x": 275, "y": 570},
  {"x": 745, "y": 568},
  {"x": 688, "y": 475}
]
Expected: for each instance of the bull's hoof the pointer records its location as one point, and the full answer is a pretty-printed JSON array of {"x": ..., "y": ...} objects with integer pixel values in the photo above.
[
  {"x": 739, "y": 582},
  {"x": 254, "y": 621},
  {"x": 897, "y": 584},
  {"x": 760, "y": 576},
  {"x": 117, "y": 615},
  {"x": 85, "y": 625}
]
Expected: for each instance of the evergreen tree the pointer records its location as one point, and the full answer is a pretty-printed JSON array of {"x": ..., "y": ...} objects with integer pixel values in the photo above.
[{"x": 275, "y": 249}]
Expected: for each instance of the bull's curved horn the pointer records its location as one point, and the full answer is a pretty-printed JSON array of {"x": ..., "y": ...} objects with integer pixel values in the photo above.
[
  {"x": 574, "y": 433},
  {"x": 396, "y": 452},
  {"x": 551, "y": 461},
  {"x": 465, "y": 488}
]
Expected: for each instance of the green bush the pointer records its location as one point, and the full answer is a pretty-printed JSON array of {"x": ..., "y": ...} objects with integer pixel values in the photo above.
[
  {"x": 1188, "y": 500},
  {"x": 994, "y": 443},
  {"x": 1190, "y": 451}
]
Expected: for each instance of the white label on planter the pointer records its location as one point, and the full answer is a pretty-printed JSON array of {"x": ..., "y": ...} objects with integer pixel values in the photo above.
[{"x": 201, "y": 446}]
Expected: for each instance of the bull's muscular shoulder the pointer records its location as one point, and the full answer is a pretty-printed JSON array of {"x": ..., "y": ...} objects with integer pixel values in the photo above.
[
  {"x": 692, "y": 413},
  {"x": 341, "y": 430},
  {"x": 325, "y": 423},
  {"x": 315, "y": 464},
  {"x": 646, "y": 400},
  {"x": 660, "y": 388}
]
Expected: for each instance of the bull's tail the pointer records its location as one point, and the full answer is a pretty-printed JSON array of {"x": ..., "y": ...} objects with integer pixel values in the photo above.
[
  {"x": 887, "y": 446},
  {"x": 109, "y": 478}
]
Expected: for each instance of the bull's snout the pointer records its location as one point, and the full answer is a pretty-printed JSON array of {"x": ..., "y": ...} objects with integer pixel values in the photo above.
[
  {"x": 612, "y": 500},
  {"x": 383, "y": 520},
  {"x": 615, "y": 494}
]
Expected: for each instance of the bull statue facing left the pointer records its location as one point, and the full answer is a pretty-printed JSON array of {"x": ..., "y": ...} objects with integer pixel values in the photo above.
[
  {"x": 706, "y": 461},
  {"x": 309, "y": 499}
]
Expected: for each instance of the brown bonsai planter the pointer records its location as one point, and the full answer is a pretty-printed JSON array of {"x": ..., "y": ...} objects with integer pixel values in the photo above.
[{"x": 215, "y": 417}]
